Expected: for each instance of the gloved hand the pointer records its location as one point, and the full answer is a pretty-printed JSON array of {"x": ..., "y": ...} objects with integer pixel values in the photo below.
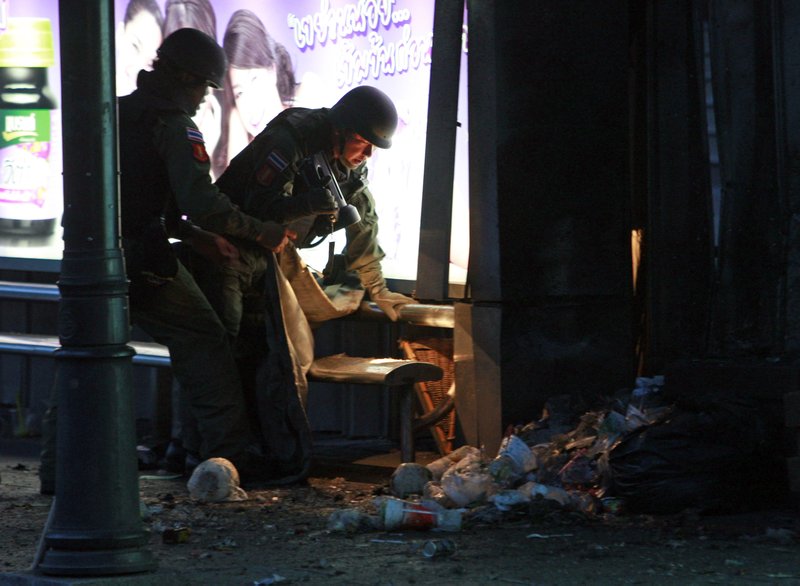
[
  {"x": 317, "y": 200},
  {"x": 390, "y": 302},
  {"x": 313, "y": 201}
]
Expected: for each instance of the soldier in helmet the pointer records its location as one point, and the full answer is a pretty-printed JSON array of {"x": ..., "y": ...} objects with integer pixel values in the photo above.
[
  {"x": 266, "y": 180},
  {"x": 166, "y": 192},
  {"x": 265, "y": 175}
]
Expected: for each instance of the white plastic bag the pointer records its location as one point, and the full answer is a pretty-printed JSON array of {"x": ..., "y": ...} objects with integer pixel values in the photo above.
[
  {"x": 215, "y": 480},
  {"x": 467, "y": 481}
]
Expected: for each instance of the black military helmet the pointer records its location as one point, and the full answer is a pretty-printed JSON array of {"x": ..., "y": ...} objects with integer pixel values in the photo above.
[
  {"x": 194, "y": 52},
  {"x": 369, "y": 112}
]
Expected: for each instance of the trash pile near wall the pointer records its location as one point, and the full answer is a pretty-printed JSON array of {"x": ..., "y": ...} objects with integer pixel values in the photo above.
[{"x": 641, "y": 454}]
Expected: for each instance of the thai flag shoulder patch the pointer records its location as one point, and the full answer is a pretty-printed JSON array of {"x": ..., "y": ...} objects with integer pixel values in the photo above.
[
  {"x": 194, "y": 135},
  {"x": 277, "y": 161},
  {"x": 269, "y": 170}
]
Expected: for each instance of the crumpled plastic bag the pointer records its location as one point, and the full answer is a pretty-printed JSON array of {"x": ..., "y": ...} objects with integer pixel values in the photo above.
[
  {"x": 215, "y": 480},
  {"x": 440, "y": 466},
  {"x": 467, "y": 481}
]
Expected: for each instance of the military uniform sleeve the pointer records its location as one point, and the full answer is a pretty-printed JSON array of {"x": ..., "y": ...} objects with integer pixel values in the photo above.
[
  {"x": 362, "y": 252},
  {"x": 272, "y": 162},
  {"x": 364, "y": 255},
  {"x": 181, "y": 145}
]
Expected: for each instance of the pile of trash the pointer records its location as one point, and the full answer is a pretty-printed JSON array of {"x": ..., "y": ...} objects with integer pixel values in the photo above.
[{"x": 641, "y": 454}]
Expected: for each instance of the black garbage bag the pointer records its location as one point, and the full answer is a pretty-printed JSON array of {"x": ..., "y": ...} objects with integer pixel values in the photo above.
[
  {"x": 715, "y": 460},
  {"x": 268, "y": 381}
]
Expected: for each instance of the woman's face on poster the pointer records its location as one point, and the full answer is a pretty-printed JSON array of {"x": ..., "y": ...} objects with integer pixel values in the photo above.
[
  {"x": 141, "y": 37},
  {"x": 256, "y": 96}
]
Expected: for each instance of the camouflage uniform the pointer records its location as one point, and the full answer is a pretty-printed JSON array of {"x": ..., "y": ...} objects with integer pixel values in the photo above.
[{"x": 263, "y": 178}]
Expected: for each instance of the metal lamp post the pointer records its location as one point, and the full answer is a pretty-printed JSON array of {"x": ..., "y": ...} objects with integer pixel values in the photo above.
[{"x": 96, "y": 527}]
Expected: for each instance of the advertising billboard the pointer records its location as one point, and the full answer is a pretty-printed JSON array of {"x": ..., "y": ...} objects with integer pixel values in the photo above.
[
  {"x": 31, "y": 192},
  {"x": 304, "y": 53}
]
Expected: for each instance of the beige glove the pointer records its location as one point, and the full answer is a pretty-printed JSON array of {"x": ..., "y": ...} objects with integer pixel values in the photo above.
[
  {"x": 373, "y": 282},
  {"x": 390, "y": 302}
]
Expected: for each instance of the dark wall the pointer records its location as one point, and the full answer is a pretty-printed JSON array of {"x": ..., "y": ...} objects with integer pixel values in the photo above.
[
  {"x": 557, "y": 181},
  {"x": 754, "y": 49},
  {"x": 672, "y": 191}
]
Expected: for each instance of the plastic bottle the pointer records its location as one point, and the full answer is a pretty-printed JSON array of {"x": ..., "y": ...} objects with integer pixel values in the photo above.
[
  {"x": 401, "y": 514},
  {"x": 30, "y": 186}
]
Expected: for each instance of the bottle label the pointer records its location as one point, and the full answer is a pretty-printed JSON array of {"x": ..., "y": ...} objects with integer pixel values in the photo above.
[
  {"x": 418, "y": 517},
  {"x": 25, "y": 173},
  {"x": 400, "y": 514}
]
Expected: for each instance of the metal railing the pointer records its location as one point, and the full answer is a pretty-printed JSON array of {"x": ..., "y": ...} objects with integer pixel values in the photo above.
[{"x": 152, "y": 354}]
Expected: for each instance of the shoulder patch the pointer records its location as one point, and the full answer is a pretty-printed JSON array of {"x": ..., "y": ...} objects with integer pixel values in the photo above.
[
  {"x": 266, "y": 174},
  {"x": 194, "y": 135},
  {"x": 277, "y": 161},
  {"x": 274, "y": 164},
  {"x": 199, "y": 152}
]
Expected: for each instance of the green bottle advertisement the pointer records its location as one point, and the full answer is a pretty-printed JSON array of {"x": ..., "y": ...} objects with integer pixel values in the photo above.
[{"x": 30, "y": 188}]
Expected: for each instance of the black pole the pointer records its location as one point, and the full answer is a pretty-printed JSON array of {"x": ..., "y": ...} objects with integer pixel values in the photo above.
[
  {"x": 433, "y": 264},
  {"x": 96, "y": 526}
]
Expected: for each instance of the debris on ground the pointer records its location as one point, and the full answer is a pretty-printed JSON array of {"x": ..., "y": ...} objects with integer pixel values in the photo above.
[{"x": 638, "y": 454}]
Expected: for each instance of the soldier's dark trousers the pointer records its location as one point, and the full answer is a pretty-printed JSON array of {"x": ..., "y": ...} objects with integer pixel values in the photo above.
[{"x": 181, "y": 318}]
